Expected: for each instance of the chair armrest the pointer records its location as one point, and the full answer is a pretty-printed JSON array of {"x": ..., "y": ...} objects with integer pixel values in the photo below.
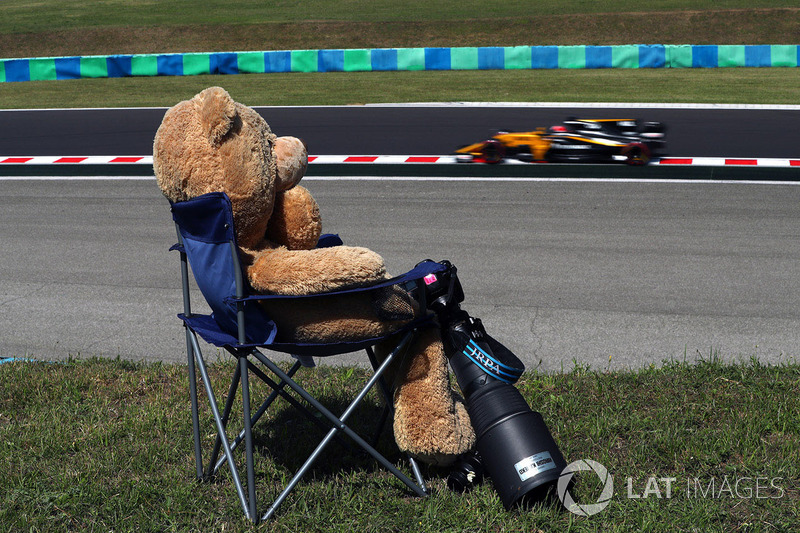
[{"x": 423, "y": 269}]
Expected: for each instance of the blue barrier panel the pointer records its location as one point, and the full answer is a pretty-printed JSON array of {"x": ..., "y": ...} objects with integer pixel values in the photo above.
[
  {"x": 224, "y": 63},
  {"x": 68, "y": 68},
  {"x": 18, "y": 70},
  {"x": 437, "y": 59},
  {"x": 384, "y": 59},
  {"x": 491, "y": 57},
  {"x": 544, "y": 57},
  {"x": 170, "y": 64},
  {"x": 330, "y": 61},
  {"x": 598, "y": 57},
  {"x": 119, "y": 66},
  {"x": 705, "y": 56},
  {"x": 278, "y": 61},
  {"x": 757, "y": 56},
  {"x": 652, "y": 56}
]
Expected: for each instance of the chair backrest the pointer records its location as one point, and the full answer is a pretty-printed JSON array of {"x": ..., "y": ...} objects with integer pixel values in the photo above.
[{"x": 208, "y": 236}]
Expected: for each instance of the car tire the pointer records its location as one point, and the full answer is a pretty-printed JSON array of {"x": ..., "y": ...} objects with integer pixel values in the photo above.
[
  {"x": 636, "y": 154},
  {"x": 493, "y": 151}
]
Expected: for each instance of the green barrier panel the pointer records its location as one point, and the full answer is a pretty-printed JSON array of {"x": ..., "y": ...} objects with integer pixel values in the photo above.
[
  {"x": 784, "y": 55},
  {"x": 196, "y": 64},
  {"x": 464, "y": 58},
  {"x": 731, "y": 55},
  {"x": 251, "y": 62},
  {"x": 305, "y": 61},
  {"x": 94, "y": 67},
  {"x": 410, "y": 59},
  {"x": 144, "y": 65},
  {"x": 678, "y": 56},
  {"x": 2, "y": 72},
  {"x": 571, "y": 57},
  {"x": 626, "y": 56},
  {"x": 518, "y": 57},
  {"x": 42, "y": 69},
  {"x": 357, "y": 60}
]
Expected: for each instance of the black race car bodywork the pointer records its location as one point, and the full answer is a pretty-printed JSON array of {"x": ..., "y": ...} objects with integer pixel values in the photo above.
[{"x": 574, "y": 140}]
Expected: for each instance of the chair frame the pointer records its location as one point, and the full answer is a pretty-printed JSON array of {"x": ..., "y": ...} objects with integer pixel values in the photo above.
[{"x": 248, "y": 360}]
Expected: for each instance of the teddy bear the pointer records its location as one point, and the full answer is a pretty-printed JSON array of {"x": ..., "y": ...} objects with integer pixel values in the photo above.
[{"x": 211, "y": 143}]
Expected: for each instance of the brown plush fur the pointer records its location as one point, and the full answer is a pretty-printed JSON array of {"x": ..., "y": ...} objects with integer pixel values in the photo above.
[{"x": 211, "y": 143}]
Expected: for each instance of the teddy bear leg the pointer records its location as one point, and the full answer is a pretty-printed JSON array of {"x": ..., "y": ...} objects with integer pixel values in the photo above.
[{"x": 431, "y": 422}]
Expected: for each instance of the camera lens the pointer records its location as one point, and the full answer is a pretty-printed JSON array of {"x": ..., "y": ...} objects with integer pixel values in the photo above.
[
  {"x": 513, "y": 442},
  {"x": 515, "y": 445},
  {"x": 467, "y": 473}
]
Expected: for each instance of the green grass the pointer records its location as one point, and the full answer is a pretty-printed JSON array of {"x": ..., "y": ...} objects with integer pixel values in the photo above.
[
  {"x": 754, "y": 86},
  {"x": 58, "y": 28},
  {"x": 103, "y": 445},
  {"x": 17, "y": 16}
]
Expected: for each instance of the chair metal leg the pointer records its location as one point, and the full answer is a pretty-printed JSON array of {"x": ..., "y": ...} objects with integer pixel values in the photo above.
[
  {"x": 339, "y": 425},
  {"x": 256, "y": 417},
  {"x": 198, "y": 453},
  {"x": 226, "y": 413},
  {"x": 248, "y": 436},
  {"x": 220, "y": 427},
  {"x": 288, "y": 397}
]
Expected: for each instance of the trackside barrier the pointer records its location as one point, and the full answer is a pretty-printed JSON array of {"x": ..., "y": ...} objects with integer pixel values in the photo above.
[{"x": 401, "y": 59}]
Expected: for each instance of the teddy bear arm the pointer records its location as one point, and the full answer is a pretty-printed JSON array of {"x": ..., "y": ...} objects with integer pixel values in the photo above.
[
  {"x": 298, "y": 272},
  {"x": 295, "y": 222}
]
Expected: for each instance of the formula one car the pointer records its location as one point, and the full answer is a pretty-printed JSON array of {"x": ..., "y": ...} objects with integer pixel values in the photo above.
[{"x": 574, "y": 140}]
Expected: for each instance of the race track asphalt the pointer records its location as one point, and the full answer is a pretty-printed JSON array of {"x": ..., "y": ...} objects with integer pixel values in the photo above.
[
  {"x": 391, "y": 130},
  {"x": 606, "y": 274}
]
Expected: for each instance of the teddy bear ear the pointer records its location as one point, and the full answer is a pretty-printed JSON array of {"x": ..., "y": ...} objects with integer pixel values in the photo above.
[
  {"x": 217, "y": 112},
  {"x": 291, "y": 157}
]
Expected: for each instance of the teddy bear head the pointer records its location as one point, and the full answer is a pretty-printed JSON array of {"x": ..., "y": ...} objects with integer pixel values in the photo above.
[{"x": 213, "y": 144}]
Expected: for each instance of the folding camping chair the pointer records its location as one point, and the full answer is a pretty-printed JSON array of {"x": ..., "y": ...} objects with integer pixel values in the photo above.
[{"x": 207, "y": 242}]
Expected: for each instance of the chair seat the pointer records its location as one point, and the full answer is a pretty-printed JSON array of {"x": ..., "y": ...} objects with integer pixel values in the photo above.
[{"x": 209, "y": 331}]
